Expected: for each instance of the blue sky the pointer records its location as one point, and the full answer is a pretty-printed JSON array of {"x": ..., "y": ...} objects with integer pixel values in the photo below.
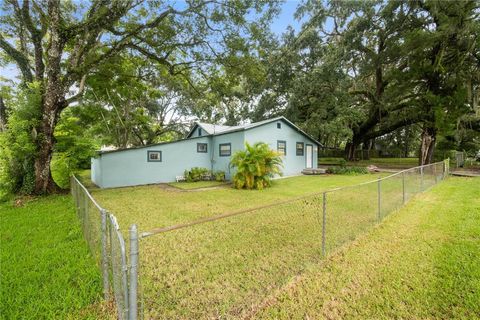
[
  {"x": 286, "y": 18},
  {"x": 279, "y": 25}
]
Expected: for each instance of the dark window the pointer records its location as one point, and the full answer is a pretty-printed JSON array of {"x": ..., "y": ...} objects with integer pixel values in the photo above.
[
  {"x": 225, "y": 149},
  {"x": 199, "y": 132},
  {"x": 282, "y": 147},
  {"x": 202, "y": 147},
  {"x": 299, "y": 148},
  {"x": 154, "y": 156},
  {"x": 279, "y": 125}
]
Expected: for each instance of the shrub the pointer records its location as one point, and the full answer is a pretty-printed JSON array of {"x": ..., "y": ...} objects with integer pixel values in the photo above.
[
  {"x": 195, "y": 174},
  {"x": 17, "y": 143},
  {"x": 347, "y": 170},
  {"x": 219, "y": 175},
  {"x": 256, "y": 166}
]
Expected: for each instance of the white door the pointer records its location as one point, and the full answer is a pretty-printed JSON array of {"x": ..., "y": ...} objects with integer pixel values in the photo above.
[{"x": 309, "y": 155}]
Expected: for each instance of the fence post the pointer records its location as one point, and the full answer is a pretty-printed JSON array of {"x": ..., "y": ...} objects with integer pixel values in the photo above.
[
  {"x": 132, "y": 308},
  {"x": 106, "y": 289},
  {"x": 324, "y": 223},
  {"x": 447, "y": 167},
  {"x": 421, "y": 178},
  {"x": 403, "y": 187},
  {"x": 379, "y": 199}
]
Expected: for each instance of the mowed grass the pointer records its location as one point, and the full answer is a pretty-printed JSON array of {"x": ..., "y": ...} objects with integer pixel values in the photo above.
[
  {"x": 197, "y": 184},
  {"x": 46, "y": 269},
  {"x": 153, "y": 207},
  {"x": 421, "y": 263},
  {"x": 381, "y": 162},
  {"x": 228, "y": 268}
]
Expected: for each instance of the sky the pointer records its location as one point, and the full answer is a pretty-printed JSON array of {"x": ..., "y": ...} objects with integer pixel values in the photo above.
[{"x": 279, "y": 26}]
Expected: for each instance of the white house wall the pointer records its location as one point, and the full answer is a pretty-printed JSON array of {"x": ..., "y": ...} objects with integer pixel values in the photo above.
[
  {"x": 236, "y": 139},
  {"x": 130, "y": 167},
  {"x": 270, "y": 134}
]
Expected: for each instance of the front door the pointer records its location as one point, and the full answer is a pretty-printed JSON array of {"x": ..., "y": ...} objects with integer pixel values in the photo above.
[{"x": 309, "y": 155}]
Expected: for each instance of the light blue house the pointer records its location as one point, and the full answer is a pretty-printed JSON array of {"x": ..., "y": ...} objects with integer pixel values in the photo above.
[{"x": 207, "y": 145}]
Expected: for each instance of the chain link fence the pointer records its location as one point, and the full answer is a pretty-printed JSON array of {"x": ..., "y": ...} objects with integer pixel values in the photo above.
[
  {"x": 107, "y": 245},
  {"x": 234, "y": 264}
]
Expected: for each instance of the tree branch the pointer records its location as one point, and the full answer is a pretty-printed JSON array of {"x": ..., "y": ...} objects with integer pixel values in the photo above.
[{"x": 20, "y": 59}]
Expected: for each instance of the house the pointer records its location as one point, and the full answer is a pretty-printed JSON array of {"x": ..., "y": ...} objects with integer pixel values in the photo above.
[{"x": 206, "y": 145}]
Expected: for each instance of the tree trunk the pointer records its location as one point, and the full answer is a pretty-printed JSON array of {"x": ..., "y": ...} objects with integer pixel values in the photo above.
[
  {"x": 53, "y": 102},
  {"x": 45, "y": 141},
  {"x": 427, "y": 146},
  {"x": 350, "y": 149},
  {"x": 3, "y": 115},
  {"x": 406, "y": 142}
]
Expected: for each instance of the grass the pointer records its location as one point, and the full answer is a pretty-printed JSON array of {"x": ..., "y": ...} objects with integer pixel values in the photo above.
[
  {"x": 382, "y": 162},
  {"x": 422, "y": 263},
  {"x": 46, "y": 269},
  {"x": 197, "y": 185},
  {"x": 227, "y": 268},
  {"x": 268, "y": 264},
  {"x": 84, "y": 177},
  {"x": 152, "y": 206}
]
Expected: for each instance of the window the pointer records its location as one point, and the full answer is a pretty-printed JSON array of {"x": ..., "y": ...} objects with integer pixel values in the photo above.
[
  {"x": 299, "y": 148},
  {"x": 202, "y": 147},
  {"x": 279, "y": 125},
  {"x": 154, "y": 156},
  {"x": 199, "y": 132},
  {"x": 225, "y": 149},
  {"x": 282, "y": 147}
]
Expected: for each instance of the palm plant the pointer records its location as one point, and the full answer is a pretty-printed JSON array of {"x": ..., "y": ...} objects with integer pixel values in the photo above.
[{"x": 256, "y": 166}]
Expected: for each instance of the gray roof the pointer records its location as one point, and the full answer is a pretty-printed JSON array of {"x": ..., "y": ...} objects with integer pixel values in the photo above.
[{"x": 215, "y": 129}]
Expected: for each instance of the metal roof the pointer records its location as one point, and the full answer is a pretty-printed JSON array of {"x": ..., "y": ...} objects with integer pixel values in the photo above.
[{"x": 215, "y": 129}]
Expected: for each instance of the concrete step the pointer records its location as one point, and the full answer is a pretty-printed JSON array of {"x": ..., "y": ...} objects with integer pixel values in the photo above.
[{"x": 311, "y": 171}]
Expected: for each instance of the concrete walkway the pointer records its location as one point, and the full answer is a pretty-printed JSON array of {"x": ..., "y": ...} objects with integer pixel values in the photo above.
[{"x": 465, "y": 173}]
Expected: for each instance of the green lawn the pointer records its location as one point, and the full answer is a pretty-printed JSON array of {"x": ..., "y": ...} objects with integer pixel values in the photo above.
[
  {"x": 196, "y": 185},
  {"x": 46, "y": 269},
  {"x": 381, "y": 162},
  {"x": 421, "y": 263},
  {"x": 152, "y": 206},
  {"x": 249, "y": 265},
  {"x": 223, "y": 269},
  {"x": 84, "y": 177}
]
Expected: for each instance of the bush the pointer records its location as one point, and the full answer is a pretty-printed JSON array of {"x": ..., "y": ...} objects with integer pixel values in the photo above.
[
  {"x": 219, "y": 175},
  {"x": 73, "y": 149},
  {"x": 195, "y": 174},
  {"x": 256, "y": 166},
  {"x": 347, "y": 170},
  {"x": 17, "y": 143}
]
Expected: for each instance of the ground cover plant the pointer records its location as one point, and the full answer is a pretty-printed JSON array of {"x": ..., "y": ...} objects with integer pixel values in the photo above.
[
  {"x": 347, "y": 170},
  {"x": 47, "y": 270}
]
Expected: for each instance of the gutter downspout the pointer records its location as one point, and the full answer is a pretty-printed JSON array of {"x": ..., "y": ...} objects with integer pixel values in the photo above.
[{"x": 212, "y": 160}]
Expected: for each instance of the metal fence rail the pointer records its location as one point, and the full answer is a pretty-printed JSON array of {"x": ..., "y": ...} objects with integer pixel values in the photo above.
[
  {"x": 107, "y": 246},
  {"x": 224, "y": 266}
]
